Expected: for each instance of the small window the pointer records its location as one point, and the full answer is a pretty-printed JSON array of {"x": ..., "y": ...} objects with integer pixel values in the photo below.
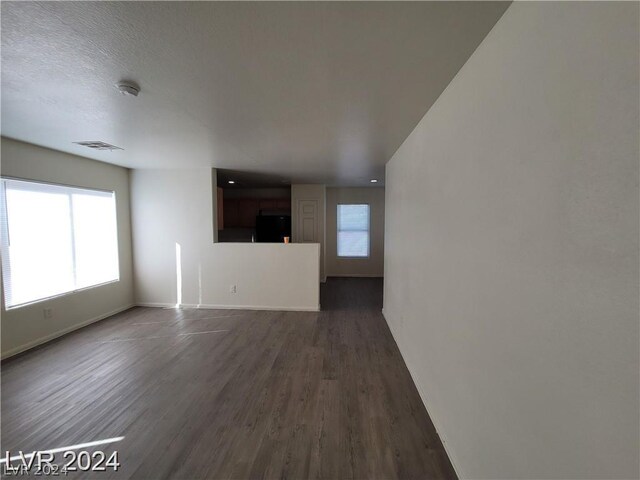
[
  {"x": 353, "y": 230},
  {"x": 55, "y": 240}
]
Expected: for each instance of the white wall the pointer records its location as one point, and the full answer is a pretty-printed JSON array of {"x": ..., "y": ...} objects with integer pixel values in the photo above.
[
  {"x": 511, "y": 263},
  {"x": 25, "y": 327},
  {"x": 172, "y": 207},
  {"x": 373, "y": 266}
]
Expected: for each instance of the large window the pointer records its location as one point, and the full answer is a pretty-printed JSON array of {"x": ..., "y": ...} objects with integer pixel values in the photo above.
[
  {"x": 56, "y": 239},
  {"x": 353, "y": 230}
]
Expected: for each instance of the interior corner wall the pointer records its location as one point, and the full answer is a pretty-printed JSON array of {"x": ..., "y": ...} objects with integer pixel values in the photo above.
[
  {"x": 25, "y": 327},
  {"x": 511, "y": 248},
  {"x": 372, "y": 266}
]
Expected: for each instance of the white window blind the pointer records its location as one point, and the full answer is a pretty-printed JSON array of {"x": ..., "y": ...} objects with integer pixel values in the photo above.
[
  {"x": 353, "y": 230},
  {"x": 55, "y": 240}
]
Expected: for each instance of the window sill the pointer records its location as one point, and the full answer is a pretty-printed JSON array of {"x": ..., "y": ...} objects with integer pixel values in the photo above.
[{"x": 40, "y": 300}]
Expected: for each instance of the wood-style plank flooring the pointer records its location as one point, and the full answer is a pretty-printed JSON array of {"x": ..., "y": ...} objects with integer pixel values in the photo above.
[{"x": 230, "y": 394}]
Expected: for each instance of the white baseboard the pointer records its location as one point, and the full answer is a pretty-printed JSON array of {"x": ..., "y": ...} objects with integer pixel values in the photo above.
[
  {"x": 156, "y": 305},
  {"x": 59, "y": 333},
  {"x": 423, "y": 396},
  {"x": 356, "y": 275},
  {"x": 230, "y": 307}
]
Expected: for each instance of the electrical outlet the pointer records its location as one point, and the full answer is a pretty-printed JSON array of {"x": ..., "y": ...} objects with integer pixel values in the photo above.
[
  {"x": 232, "y": 289},
  {"x": 48, "y": 312}
]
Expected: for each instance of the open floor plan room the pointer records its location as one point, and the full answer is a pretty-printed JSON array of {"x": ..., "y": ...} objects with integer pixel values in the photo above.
[
  {"x": 363, "y": 240},
  {"x": 231, "y": 394}
]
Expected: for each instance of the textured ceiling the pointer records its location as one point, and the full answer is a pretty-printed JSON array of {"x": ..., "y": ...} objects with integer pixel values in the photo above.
[{"x": 310, "y": 92}]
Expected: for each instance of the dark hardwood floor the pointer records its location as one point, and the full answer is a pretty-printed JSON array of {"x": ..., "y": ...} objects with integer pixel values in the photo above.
[{"x": 230, "y": 394}]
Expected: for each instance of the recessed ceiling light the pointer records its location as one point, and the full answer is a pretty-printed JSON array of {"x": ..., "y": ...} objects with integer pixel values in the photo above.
[
  {"x": 231, "y": 182},
  {"x": 373, "y": 180}
]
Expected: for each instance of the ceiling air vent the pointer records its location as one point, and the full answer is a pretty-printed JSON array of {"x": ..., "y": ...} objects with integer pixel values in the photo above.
[{"x": 98, "y": 145}]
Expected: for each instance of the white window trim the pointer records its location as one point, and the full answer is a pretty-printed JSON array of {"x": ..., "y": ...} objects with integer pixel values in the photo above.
[
  {"x": 64, "y": 294},
  {"x": 351, "y": 257},
  {"x": 4, "y": 227}
]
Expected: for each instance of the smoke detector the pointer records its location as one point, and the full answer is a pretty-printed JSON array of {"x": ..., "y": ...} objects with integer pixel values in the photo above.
[
  {"x": 128, "y": 88},
  {"x": 97, "y": 145}
]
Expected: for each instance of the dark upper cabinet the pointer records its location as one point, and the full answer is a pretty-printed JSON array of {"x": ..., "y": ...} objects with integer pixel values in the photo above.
[
  {"x": 283, "y": 204},
  {"x": 242, "y": 212},
  {"x": 247, "y": 211},
  {"x": 268, "y": 204},
  {"x": 230, "y": 212}
]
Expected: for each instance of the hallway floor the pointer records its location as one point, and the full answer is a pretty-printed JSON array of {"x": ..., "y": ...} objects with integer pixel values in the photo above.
[{"x": 230, "y": 394}]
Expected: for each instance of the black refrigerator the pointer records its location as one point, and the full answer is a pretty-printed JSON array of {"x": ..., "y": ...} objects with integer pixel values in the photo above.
[{"x": 273, "y": 228}]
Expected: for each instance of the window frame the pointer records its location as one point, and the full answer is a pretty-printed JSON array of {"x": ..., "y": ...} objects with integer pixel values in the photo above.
[
  {"x": 4, "y": 246},
  {"x": 338, "y": 230}
]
